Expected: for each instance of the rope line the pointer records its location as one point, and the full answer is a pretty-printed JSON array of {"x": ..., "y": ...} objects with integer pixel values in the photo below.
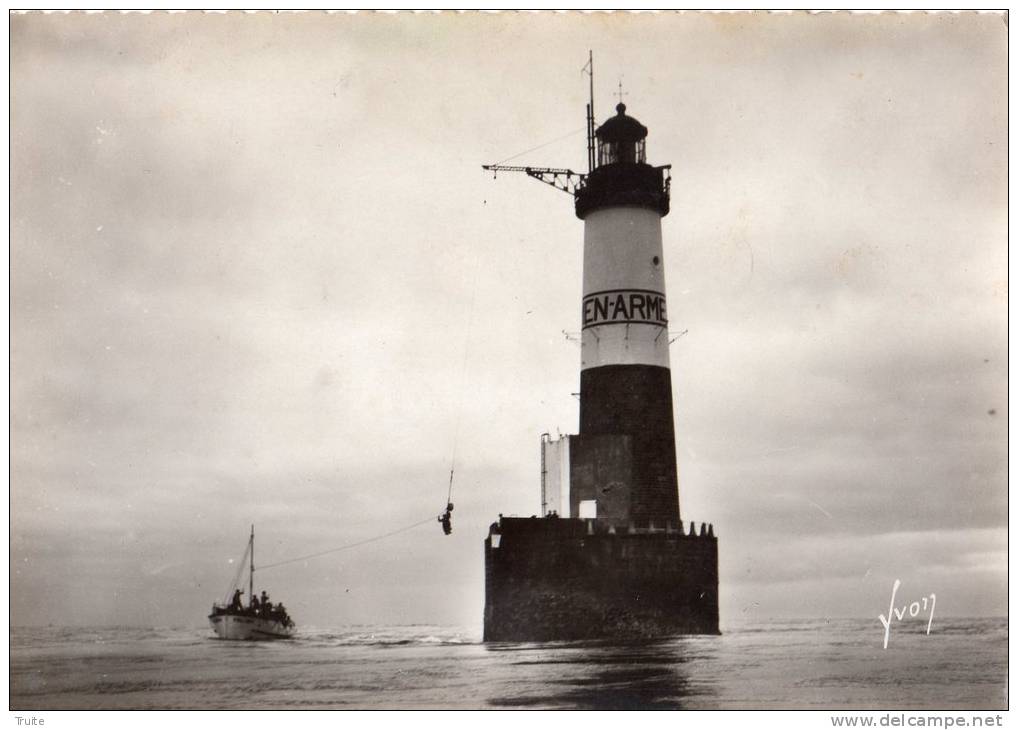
[
  {"x": 541, "y": 146},
  {"x": 463, "y": 375},
  {"x": 347, "y": 547}
]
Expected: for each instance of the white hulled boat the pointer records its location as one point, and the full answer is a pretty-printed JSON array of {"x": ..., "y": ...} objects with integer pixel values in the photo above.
[{"x": 258, "y": 620}]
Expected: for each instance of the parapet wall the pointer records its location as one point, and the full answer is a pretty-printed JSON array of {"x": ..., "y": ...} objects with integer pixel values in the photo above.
[{"x": 555, "y": 579}]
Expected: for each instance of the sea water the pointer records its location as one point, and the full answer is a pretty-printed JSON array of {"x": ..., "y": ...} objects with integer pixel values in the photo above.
[{"x": 819, "y": 664}]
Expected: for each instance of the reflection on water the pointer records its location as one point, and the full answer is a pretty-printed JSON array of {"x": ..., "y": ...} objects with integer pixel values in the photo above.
[{"x": 648, "y": 675}]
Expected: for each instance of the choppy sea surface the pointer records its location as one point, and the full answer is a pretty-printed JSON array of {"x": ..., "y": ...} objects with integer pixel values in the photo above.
[{"x": 817, "y": 664}]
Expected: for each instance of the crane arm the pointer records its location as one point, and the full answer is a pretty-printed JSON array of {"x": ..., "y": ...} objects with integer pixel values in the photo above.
[{"x": 560, "y": 178}]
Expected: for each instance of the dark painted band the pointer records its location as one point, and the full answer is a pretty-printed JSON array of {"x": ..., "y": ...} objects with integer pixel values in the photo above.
[{"x": 636, "y": 400}]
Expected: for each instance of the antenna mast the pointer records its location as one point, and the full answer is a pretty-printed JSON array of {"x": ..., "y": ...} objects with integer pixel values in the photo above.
[{"x": 590, "y": 115}]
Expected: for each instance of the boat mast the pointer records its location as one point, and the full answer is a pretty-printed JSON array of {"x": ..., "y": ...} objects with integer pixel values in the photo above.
[{"x": 250, "y": 595}]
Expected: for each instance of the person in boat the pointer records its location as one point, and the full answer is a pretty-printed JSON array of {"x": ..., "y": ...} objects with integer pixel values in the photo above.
[
  {"x": 235, "y": 604},
  {"x": 284, "y": 617},
  {"x": 266, "y": 603},
  {"x": 255, "y": 605},
  {"x": 446, "y": 519}
]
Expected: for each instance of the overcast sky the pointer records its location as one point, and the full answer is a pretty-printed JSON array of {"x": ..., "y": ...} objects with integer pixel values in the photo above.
[{"x": 258, "y": 276}]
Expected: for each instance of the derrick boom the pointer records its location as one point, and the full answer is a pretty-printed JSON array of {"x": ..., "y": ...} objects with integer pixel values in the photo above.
[{"x": 560, "y": 178}]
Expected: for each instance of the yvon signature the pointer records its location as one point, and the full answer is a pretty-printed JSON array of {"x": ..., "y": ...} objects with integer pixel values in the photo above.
[{"x": 911, "y": 610}]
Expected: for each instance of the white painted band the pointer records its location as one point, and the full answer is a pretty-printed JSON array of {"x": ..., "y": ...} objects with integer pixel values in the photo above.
[
  {"x": 624, "y": 314},
  {"x": 627, "y": 344}
]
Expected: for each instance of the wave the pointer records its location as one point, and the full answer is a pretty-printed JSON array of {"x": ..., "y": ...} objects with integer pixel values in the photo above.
[{"x": 386, "y": 636}]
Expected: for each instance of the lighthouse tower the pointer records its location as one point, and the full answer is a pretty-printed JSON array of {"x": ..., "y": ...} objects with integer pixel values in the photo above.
[
  {"x": 625, "y": 381},
  {"x": 609, "y": 555}
]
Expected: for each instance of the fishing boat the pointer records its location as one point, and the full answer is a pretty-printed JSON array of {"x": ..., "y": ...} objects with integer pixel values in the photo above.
[{"x": 259, "y": 620}]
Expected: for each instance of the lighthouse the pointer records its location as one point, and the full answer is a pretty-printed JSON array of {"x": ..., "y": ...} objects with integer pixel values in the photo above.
[
  {"x": 609, "y": 556},
  {"x": 625, "y": 380}
]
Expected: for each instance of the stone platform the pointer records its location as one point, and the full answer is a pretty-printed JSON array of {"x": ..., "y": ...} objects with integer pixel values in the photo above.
[{"x": 556, "y": 579}]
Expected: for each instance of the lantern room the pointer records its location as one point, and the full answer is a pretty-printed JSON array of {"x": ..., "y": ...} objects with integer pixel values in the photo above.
[
  {"x": 621, "y": 139},
  {"x": 622, "y": 176}
]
